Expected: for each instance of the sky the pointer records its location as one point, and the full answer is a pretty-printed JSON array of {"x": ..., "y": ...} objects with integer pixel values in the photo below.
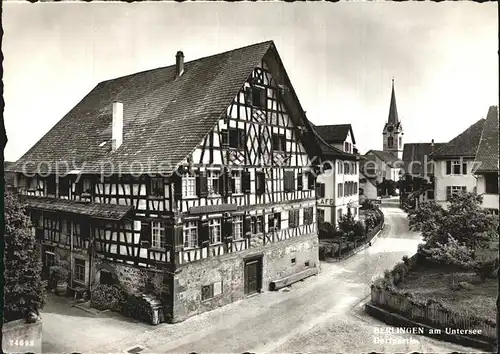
[{"x": 340, "y": 57}]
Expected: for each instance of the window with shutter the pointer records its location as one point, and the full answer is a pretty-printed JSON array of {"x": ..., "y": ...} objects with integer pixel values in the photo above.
[
  {"x": 310, "y": 180},
  {"x": 464, "y": 168},
  {"x": 247, "y": 225},
  {"x": 278, "y": 142},
  {"x": 258, "y": 95},
  {"x": 293, "y": 218},
  {"x": 299, "y": 181},
  {"x": 308, "y": 216},
  {"x": 156, "y": 188},
  {"x": 237, "y": 226},
  {"x": 456, "y": 167},
  {"x": 236, "y": 179},
  {"x": 245, "y": 179},
  {"x": 189, "y": 234},
  {"x": 289, "y": 181},
  {"x": 202, "y": 186},
  {"x": 158, "y": 239},
  {"x": 215, "y": 231},
  {"x": 203, "y": 234},
  {"x": 145, "y": 236},
  {"x": 224, "y": 135},
  {"x": 448, "y": 167},
  {"x": 213, "y": 182}
]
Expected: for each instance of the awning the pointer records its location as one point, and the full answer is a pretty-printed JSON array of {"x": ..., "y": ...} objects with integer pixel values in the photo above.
[{"x": 92, "y": 210}]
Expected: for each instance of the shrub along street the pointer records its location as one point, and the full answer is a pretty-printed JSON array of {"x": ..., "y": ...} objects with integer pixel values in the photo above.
[{"x": 452, "y": 278}]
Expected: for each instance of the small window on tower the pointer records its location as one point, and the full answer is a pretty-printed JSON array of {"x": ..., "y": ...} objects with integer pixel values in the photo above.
[
  {"x": 400, "y": 142},
  {"x": 390, "y": 142}
]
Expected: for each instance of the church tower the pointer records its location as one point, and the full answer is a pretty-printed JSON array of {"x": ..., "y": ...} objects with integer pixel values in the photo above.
[{"x": 393, "y": 130}]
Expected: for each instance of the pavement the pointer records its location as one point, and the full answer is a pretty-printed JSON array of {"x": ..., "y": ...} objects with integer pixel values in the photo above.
[{"x": 320, "y": 314}]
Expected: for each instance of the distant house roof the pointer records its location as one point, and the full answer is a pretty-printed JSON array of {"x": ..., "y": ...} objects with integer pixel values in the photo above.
[
  {"x": 463, "y": 145},
  {"x": 164, "y": 117},
  {"x": 329, "y": 151},
  {"x": 415, "y": 155},
  {"x": 335, "y": 133},
  {"x": 487, "y": 154},
  {"x": 93, "y": 210},
  {"x": 388, "y": 157},
  {"x": 9, "y": 176}
]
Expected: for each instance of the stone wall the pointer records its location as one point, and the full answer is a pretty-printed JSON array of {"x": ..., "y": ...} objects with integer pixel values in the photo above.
[
  {"x": 226, "y": 273},
  {"x": 21, "y": 337}
]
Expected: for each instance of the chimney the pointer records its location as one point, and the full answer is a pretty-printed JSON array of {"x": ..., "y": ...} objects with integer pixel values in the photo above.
[
  {"x": 117, "y": 126},
  {"x": 179, "y": 63}
]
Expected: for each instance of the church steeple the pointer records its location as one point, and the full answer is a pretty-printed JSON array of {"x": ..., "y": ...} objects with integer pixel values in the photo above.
[
  {"x": 393, "y": 109},
  {"x": 393, "y": 130}
]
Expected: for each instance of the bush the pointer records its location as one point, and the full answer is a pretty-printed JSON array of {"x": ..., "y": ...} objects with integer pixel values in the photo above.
[
  {"x": 406, "y": 260},
  {"x": 487, "y": 269},
  {"x": 399, "y": 272},
  {"x": 111, "y": 297},
  {"x": 359, "y": 228},
  {"x": 137, "y": 307}
]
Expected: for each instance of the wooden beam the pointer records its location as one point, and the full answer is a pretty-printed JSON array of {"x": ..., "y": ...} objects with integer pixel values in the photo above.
[{"x": 281, "y": 283}]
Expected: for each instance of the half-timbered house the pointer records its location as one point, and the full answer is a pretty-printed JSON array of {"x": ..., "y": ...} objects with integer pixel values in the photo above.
[{"x": 191, "y": 181}]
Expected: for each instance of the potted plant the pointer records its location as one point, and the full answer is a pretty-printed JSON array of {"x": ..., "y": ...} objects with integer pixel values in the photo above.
[{"x": 59, "y": 278}]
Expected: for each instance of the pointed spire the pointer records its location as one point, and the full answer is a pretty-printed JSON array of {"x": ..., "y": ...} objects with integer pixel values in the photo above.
[{"x": 393, "y": 110}]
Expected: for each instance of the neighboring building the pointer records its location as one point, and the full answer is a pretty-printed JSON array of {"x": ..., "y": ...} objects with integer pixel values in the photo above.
[
  {"x": 454, "y": 164},
  {"x": 393, "y": 130},
  {"x": 193, "y": 180},
  {"x": 382, "y": 165},
  {"x": 417, "y": 163},
  {"x": 367, "y": 188},
  {"x": 339, "y": 136},
  {"x": 338, "y": 186},
  {"x": 486, "y": 162}
]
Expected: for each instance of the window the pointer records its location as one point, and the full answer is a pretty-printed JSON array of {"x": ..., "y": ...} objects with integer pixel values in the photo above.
[
  {"x": 355, "y": 188},
  {"x": 233, "y": 138},
  {"x": 33, "y": 184},
  {"x": 430, "y": 194},
  {"x": 156, "y": 187},
  {"x": 188, "y": 186},
  {"x": 51, "y": 185},
  {"x": 236, "y": 181},
  {"x": 293, "y": 218},
  {"x": 274, "y": 221},
  {"x": 260, "y": 183},
  {"x": 308, "y": 216},
  {"x": 214, "y": 229},
  {"x": 257, "y": 224},
  {"x": 450, "y": 190},
  {"x": 456, "y": 167},
  {"x": 79, "y": 272},
  {"x": 238, "y": 227},
  {"x": 321, "y": 215},
  {"x": 491, "y": 183},
  {"x": 346, "y": 168},
  {"x": 256, "y": 96},
  {"x": 279, "y": 142},
  {"x": 190, "y": 234},
  {"x": 346, "y": 147},
  {"x": 390, "y": 142},
  {"x": 207, "y": 292},
  {"x": 87, "y": 186},
  {"x": 158, "y": 239},
  {"x": 213, "y": 182},
  {"x": 289, "y": 182},
  {"x": 320, "y": 190},
  {"x": 340, "y": 190},
  {"x": 339, "y": 167},
  {"x": 400, "y": 142},
  {"x": 64, "y": 184}
]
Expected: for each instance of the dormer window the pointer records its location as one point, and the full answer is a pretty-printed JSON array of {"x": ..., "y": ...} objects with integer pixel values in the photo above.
[{"x": 279, "y": 142}]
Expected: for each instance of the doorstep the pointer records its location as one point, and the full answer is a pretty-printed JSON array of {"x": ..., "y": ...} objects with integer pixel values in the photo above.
[{"x": 85, "y": 306}]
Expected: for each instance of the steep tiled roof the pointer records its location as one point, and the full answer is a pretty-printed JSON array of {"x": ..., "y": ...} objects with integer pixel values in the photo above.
[
  {"x": 335, "y": 133},
  {"x": 388, "y": 157},
  {"x": 164, "y": 117},
  {"x": 463, "y": 145},
  {"x": 416, "y": 154},
  {"x": 94, "y": 210},
  {"x": 487, "y": 153}
]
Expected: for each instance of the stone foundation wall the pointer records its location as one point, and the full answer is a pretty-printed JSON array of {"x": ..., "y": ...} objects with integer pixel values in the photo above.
[{"x": 226, "y": 273}]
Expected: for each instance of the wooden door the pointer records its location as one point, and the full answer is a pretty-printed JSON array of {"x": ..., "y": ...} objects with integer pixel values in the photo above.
[{"x": 253, "y": 276}]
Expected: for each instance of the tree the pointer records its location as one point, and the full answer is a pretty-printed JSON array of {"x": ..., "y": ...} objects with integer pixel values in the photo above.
[
  {"x": 346, "y": 223},
  {"x": 24, "y": 293},
  {"x": 464, "y": 219},
  {"x": 452, "y": 253}
]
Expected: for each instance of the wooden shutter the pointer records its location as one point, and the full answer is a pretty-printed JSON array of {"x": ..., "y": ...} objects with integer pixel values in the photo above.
[
  {"x": 177, "y": 182},
  {"x": 201, "y": 186},
  {"x": 448, "y": 167},
  {"x": 318, "y": 190},
  {"x": 227, "y": 229},
  {"x": 245, "y": 181},
  {"x": 145, "y": 233},
  {"x": 169, "y": 236},
  {"x": 261, "y": 177},
  {"x": 299, "y": 181},
  {"x": 247, "y": 225},
  {"x": 310, "y": 181},
  {"x": 178, "y": 238},
  {"x": 448, "y": 192},
  {"x": 464, "y": 168},
  {"x": 203, "y": 234}
]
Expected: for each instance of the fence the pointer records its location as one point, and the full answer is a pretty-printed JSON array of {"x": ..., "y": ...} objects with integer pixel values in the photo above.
[{"x": 433, "y": 314}]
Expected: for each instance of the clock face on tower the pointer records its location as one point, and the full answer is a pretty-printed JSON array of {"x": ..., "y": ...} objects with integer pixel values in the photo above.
[{"x": 390, "y": 128}]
